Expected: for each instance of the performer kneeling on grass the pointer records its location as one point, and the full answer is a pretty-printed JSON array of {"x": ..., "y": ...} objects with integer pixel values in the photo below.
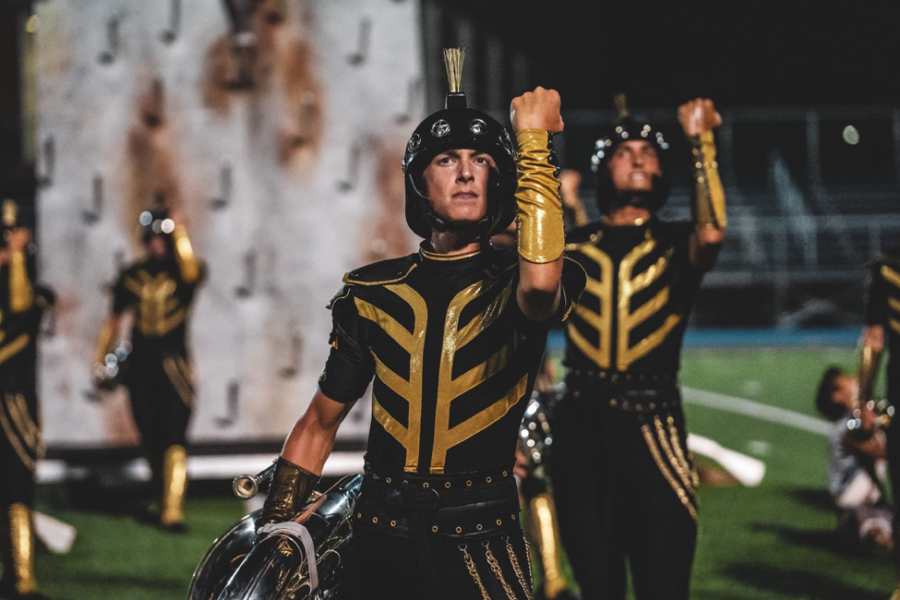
[
  {"x": 853, "y": 465},
  {"x": 454, "y": 336}
]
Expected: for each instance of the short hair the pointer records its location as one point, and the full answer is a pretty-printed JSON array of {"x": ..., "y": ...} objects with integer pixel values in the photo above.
[{"x": 825, "y": 395}]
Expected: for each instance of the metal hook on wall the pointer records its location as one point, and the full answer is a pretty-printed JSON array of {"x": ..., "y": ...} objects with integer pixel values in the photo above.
[
  {"x": 90, "y": 217},
  {"x": 109, "y": 55},
  {"x": 170, "y": 34},
  {"x": 225, "y": 186},
  {"x": 249, "y": 286},
  {"x": 364, "y": 39},
  {"x": 48, "y": 164},
  {"x": 232, "y": 406},
  {"x": 352, "y": 178}
]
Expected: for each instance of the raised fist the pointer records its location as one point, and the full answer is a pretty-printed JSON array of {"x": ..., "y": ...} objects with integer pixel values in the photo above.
[
  {"x": 536, "y": 110},
  {"x": 698, "y": 116}
]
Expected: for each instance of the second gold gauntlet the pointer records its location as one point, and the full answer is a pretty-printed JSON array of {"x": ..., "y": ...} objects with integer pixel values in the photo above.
[
  {"x": 291, "y": 486},
  {"x": 539, "y": 214},
  {"x": 709, "y": 197}
]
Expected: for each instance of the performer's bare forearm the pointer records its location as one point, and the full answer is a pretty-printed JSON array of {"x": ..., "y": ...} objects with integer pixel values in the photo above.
[{"x": 312, "y": 439}]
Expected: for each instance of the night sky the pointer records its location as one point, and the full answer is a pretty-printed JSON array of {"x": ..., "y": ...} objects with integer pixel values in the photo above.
[{"x": 739, "y": 53}]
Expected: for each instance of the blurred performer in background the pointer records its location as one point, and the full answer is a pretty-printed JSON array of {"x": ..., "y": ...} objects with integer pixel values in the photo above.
[
  {"x": 624, "y": 486},
  {"x": 454, "y": 336},
  {"x": 21, "y": 306},
  {"x": 854, "y": 465},
  {"x": 883, "y": 322},
  {"x": 159, "y": 290}
]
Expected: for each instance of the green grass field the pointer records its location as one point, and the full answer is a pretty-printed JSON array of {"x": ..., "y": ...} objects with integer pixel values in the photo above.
[{"x": 771, "y": 542}]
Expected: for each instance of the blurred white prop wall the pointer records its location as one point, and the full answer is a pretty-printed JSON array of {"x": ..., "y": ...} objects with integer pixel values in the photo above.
[{"x": 281, "y": 145}]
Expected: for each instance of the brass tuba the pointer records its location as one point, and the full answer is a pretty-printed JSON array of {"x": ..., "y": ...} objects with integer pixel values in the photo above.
[{"x": 274, "y": 563}]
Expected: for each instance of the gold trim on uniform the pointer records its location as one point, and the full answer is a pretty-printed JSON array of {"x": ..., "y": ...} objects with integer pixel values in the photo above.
[
  {"x": 676, "y": 444},
  {"x": 21, "y": 418},
  {"x": 602, "y": 322},
  {"x": 400, "y": 277},
  {"x": 21, "y": 535},
  {"x": 450, "y": 388},
  {"x": 668, "y": 448},
  {"x": 543, "y": 511},
  {"x": 7, "y": 351},
  {"x": 494, "y": 564},
  {"x": 18, "y": 443},
  {"x": 21, "y": 294},
  {"x": 179, "y": 374},
  {"x": 539, "y": 211},
  {"x": 709, "y": 196},
  {"x": 683, "y": 495},
  {"x": 890, "y": 275},
  {"x": 174, "y": 485},
  {"x": 446, "y": 257},
  {"x": 628, "y": 320},
  {"x": 158, "y": 311},
  {"x": 412, "y": 342}
]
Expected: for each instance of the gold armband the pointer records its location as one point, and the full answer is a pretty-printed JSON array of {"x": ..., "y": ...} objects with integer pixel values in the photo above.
[
  {"x": 104, "y": 343},
  {"x": 539, "y": 215},
  {"x": 709, "y": 197},
  {"x": 21, "y": 296},
  {"x": 869, "y": 359},
  {"x": 184, "y": 253}
]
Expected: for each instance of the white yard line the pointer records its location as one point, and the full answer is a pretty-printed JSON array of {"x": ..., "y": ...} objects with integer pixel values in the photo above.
[{"x": 749, "y": 408}]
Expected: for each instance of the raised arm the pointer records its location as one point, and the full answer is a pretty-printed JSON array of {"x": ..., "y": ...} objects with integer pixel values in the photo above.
[
  {"x": 184, "y": 252},
  {"x": 541, "y": 232},
  {"x": 699, "y": 118}
]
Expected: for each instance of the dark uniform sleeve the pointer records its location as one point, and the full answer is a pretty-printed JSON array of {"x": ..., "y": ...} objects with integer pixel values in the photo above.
[
  {"x": 573, "y": 281},
  {"x": 121, "y": 298},
  {"x": 350, "y": 366},
  {"x": 876, "y": 296}
]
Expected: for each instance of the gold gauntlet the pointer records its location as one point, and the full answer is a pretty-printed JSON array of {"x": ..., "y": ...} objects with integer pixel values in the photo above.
[
  {"x": 291, "y": 486},
  {"x": 869, "y": 360},
  {"x": 184, "y": 253},
  {"x": 709, "y": 197},
  {"x": 20, "y": 293},
  {"x": 546, "y": 531},
  {"x": 539, "y": 217}
]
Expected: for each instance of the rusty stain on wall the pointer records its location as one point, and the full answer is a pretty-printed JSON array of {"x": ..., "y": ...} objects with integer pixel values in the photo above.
[{"x": 390, "y": 237}]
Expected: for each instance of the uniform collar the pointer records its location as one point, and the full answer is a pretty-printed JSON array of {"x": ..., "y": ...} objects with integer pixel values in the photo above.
[{"x": 429, "y": 256}]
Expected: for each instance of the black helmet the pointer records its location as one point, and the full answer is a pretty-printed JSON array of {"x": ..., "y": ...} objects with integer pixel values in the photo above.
[
  {"x": 156, "y": 222},
  {"x": 458, "y": 126},
  {"x": 628, "y": 128}
]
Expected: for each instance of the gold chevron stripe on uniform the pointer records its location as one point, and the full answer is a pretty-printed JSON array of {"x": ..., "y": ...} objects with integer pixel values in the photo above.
[
  {"x": 14, "y": 347},
  {"x": 895, "y": 324},
  {"x": 890, "y": 275},
  {"x": 628, "y": 320},
  {"x": 894, "y": 303},
  {"x": 15, "y": 441},
  {"x": 412, "y": 342},
  {"x": 159, "y": 311},
  {"x": 450, "y": 388},
  {"x": 182, "y": 386},
  {"x": 602, "y": 322},
  {"x": 21, "y": 418}
]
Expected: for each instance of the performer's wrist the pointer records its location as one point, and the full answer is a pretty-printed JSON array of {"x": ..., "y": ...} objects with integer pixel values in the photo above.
[{"x": 291, "y": 486}]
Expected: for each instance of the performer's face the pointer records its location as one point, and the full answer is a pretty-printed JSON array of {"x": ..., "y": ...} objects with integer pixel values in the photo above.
[
  {"x": 456, "y": 182},
  {"x": 845, "y": 388},
  {"x": 156, "y": 247},
  {"x": 633, "y": 166}
]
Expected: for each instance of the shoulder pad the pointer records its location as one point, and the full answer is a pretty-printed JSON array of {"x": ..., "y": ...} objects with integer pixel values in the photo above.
[
  {"x": 383, "y": 272},
  {"x": 44, "y": 297},
  {"x": 581, "y": 235}
]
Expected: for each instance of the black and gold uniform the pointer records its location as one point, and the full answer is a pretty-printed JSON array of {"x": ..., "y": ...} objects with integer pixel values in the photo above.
[
  {"x": 623, "y": 482},
  {"x": 454, "y": 362},
  {"x": 883, "y": 317},
  {"x": 159, "y": 292},
  {"x": 22, "y": 305}
]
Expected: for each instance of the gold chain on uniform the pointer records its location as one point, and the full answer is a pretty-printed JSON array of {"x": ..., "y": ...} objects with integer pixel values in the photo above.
[
  {"x": 679, "y": 491},
  {"x": 679, "y": 466},
  {"x": 498, "y": 572},
  {"x": 514, "y": 560},
  {"x": 676, "y": 444},
  {"x": 473, "y": 571}
]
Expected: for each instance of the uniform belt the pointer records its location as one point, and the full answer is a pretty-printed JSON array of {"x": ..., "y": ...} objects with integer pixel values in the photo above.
[
  {"x": 427, "y": 505},
  {"x": 627, "y": 392}
]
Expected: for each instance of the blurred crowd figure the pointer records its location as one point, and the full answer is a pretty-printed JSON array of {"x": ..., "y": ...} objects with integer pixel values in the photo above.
[
  {"x": 22, "y": 304},
  {"x": 856, "y": 465},
  {"x": 158, "y": 291}
]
